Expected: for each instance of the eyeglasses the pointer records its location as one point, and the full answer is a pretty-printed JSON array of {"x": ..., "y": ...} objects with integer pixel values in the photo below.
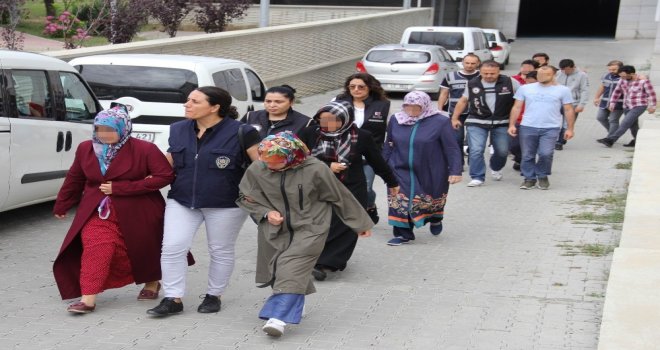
[{"x": 357, "y": 87}]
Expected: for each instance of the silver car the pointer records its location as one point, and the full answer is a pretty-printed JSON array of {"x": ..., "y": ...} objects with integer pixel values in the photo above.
[{"x": 408, "y": 67}]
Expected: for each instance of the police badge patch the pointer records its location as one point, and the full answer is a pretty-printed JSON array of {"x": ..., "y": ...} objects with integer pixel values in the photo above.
[
  {"x": 475, "y": 90},
  {"x": 222, "y": 162}
]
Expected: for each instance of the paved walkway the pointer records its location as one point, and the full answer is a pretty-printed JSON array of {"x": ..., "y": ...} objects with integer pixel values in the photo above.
[{"x": 500, "y": 277}]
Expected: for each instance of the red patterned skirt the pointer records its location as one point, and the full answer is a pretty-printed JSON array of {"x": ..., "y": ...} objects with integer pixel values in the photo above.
[{"x": 104, "y": 261}]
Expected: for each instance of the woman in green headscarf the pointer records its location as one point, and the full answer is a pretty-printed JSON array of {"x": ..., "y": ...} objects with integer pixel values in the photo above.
[{"x": 292, "y": 197}]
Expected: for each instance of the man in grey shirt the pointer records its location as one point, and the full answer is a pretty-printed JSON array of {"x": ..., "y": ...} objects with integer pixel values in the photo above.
[{"x": 578, "y": 82}]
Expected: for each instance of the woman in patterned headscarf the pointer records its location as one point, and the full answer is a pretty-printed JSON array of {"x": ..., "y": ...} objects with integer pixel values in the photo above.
[
  {"x": 345, "y": 148},
  {"x": 292, "y": 197},
  {"x": 421, "y": 148},
  {"x": 116, "y": 235}
]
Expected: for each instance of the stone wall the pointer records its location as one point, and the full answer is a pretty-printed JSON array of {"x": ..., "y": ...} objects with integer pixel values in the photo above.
[
  {"x": 313, "y": 57},
  {"x": 636, "y": 19}
]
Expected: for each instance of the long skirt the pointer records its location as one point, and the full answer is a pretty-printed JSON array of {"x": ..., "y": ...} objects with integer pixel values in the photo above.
[{"x": 104, "y": 262}]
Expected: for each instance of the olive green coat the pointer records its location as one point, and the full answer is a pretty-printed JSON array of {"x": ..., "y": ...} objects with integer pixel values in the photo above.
[{"x": 306, "y": 197}]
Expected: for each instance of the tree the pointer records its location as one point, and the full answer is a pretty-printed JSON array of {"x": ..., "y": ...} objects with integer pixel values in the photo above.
[
  {"x": 11, "y": 11},
  {"x": 50, "y": 7},
  {"x": 169, "y": 13},
  {"x": 213, "y": 16},
  {"x": 125, "y": 19}
]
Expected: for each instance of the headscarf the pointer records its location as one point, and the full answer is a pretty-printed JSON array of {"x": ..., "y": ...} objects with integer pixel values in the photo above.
[
  {"x": 285, "y": 147},
  {"x": 118, "y": 119},
  {"x": 418, "y": 98},
  {"x": 336, "y": 145}
]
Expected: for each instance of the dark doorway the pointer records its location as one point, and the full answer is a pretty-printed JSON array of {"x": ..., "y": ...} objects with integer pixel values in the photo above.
[{"x": 569, "y": 18}]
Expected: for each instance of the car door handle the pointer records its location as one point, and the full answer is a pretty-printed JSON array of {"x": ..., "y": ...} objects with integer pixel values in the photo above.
[
  {"x": 60, "y": 141},
  {"x": 68, "y": 142}
]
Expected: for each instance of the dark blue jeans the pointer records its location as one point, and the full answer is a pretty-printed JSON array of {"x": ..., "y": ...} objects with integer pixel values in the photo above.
[
  {"x": 477, "y": 140},
  {"x": 537, "y": 142}
]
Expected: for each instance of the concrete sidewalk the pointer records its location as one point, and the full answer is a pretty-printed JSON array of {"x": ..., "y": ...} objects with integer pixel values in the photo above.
[{"x": 509, "y": 271}]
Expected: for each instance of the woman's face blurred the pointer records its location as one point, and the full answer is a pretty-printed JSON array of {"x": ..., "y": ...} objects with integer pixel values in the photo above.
[
  {"x": 329, "y": 122},
  {"x": 274, "y": 164},
  {"x": 277, "y": 104},
  {"x": 106, "y": 134},
  {"x": 358, "y": 88},
  {"x": 413, "y": 110},
  {"x": 197, "y": 106}
]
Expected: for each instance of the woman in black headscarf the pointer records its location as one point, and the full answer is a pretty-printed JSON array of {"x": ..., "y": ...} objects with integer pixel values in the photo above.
[{"x": 340, "y": 144}]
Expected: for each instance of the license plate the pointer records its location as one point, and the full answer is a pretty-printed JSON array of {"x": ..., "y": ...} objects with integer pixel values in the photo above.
[
  {"x": 398, "y": 86},
  {"x": 146, "y": 136}
]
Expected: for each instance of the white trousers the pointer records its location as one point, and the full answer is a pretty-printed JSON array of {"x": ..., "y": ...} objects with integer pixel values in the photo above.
[{"x": 181, "y": 225}]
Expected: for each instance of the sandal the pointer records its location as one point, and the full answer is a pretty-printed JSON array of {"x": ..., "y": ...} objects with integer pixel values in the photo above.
[{"x": 146, "y": 294}]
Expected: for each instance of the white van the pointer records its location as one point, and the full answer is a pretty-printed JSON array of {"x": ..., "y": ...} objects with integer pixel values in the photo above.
[
  {"x": 459, "y": 41},
  {"x": 155, "y": 87},
  {"x": 46, "y": 110}
]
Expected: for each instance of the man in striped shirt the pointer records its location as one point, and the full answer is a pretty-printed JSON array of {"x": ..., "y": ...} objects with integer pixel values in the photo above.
[{"x": 638, "y": 96}]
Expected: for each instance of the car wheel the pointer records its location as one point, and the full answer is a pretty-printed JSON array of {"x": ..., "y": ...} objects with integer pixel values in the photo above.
[{"x": 506, "y": 61}]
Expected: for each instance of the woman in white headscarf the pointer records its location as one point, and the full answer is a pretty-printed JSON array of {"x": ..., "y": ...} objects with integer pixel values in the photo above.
[{"x": 421, "y": 149}]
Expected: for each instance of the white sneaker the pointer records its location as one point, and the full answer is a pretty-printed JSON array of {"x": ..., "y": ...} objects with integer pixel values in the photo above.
[
  {"x": 497, "y": 175},
  {"x": 475, "y": 183},
  {"x": 274, "y": 327}
]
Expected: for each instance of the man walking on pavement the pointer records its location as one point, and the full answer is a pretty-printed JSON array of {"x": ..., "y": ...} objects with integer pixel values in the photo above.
[
  {"x": 638, "y": 96},
  {"x": 609, "y": 119},
  {"x": 578, "y": 82},
  {"x": 526, "y": 67},
  {"x": 452, "y": 88},
  {"x": 540, "y": 125},
  {"x": 489, "y": 101}
]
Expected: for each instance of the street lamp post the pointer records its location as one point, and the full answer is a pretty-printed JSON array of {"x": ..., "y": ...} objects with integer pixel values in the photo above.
[{"x": 264, "y": 13}]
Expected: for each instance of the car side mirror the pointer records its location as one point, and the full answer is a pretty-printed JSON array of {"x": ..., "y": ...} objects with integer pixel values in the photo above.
[
  {"x": 493, "y": 45},
  {"x": 458, "y": 59},
  {"x": 510, "y": 40}
]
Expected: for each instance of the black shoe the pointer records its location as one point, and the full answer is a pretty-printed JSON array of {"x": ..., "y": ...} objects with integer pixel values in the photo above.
[
  {"x": 319, "y": 274},
  {"x": 607, "y": 142},
  {"x": 630, "y": 144},
  {"x": 516, "y": 166},
  {"x": 210, "y": 304},
  {"x": 559, "y": 147},
  {"x": 166, "y": 307},
  {"x": 373, "y": 214}
]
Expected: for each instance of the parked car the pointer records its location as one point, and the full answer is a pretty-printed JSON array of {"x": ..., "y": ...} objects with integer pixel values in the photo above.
[
  {"x": 499, "y": 45},
  {"x": 155, "y": 87},
  {"x": 459, "y": 41},
  {"x": 46, "y": 110},
  {"x": 407, "y": 67}
]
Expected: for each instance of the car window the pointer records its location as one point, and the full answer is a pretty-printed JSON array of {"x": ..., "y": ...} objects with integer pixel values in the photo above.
[
  {"x": 398, "y": 56},
  {"x": 478, "y": 39},
  {"x": 257, "y": 87},
  {"x": 502, "y": 37},
  {"x": 490, "y": 36},
  {"x": 147, "y": 84},
  {"x": 80, "y": 104},
  {"x": 32, "y": 94},
  {"x": 441, "y": 57},
  {"x": 232, "y": 81},
  {"x": 448, "y": 40},
  {"x": 446, "y": 55}
]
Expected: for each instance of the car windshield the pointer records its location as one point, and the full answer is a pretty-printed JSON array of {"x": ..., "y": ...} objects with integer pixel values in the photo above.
[
  {"x": 398, "y": 56},
  {"x": 147, "y": 84},
  {"x": 491, "y": 37},
  {"x": 449, "y": 40}
]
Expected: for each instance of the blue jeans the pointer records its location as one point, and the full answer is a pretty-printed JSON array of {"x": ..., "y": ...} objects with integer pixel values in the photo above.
[
  {"x": 541, "y": 142},
  {"x": 630, "y": 118},
  {"x": 477, "y": 138},
  {"x": 609, "y": 120},
  {"x": 371, "y": 194}
]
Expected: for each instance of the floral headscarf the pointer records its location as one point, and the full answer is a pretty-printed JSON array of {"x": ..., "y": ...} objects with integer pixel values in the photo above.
[
  {"x": 118, "y": 119},
  {"x": 283, "y": 146},
  {"x": 336, "y": 146},
  {"x": 418, "y": 98}
]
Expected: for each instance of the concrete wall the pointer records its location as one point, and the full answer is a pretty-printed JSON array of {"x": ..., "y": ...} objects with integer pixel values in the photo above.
[
  {"x": 630, "y": 315},
  {"x": 636, "y": 19},
  {"x": 284, "y": 14},
  {"x": 497, "y": 14},
  {"x": 312, "y": 57}
]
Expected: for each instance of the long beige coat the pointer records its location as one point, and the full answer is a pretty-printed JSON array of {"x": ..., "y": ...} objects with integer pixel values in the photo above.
[{"x": 305, "y": 196}]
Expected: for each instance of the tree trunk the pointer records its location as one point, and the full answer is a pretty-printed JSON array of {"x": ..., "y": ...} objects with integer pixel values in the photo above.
[{"x": 50, "y": 7}]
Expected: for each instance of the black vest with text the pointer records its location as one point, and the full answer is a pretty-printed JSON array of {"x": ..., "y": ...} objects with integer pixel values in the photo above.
[{"x": 479, "y": 112}]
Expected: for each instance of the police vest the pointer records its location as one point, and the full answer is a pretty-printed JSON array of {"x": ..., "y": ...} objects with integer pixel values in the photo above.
[
  {"x": 479, "y": 112},
  {"x": 457, "y": 83},
  {"x": 609, "y": 82}
]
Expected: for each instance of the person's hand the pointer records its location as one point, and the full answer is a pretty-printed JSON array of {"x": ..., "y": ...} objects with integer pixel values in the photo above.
[
  {"x": 106, "y": 188},
  {"x": 393, "y": 190},
  {"x": 58, "y": 216},
  {"x": 338, "y": 167},
  {"x": 456, "y": 123},
  {"x": 610, "y": 108},
  {"x": 364, "y": 234},
  {"x": 513, "y": 131},
  {"x": 454, "y": 179},
  {"x": 579, "y": 109},
  {"x": 275, "y": 218},
  {"x": 651, "y": 110},
  {"x": 596, "y": 102},
  {"x": 568, "y": 134}
]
